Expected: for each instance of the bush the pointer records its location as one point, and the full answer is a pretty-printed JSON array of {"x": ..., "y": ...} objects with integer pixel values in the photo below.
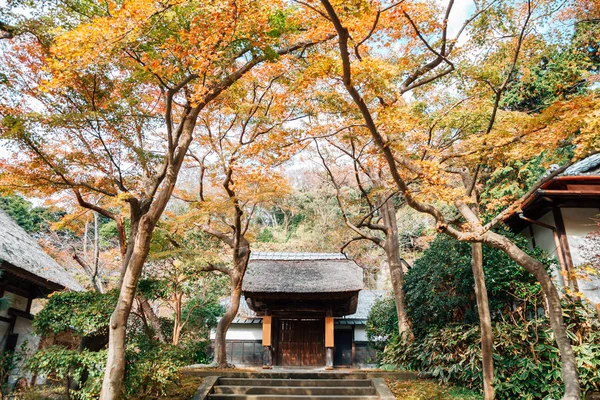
[
  {"x": 439, "y": 287},
  {"x": 149, "y": 372},
  {"x": 80, "y": 370},
  {"x": 526, "y": 359},
  {"x": 82, "y": 313},
  {"x": 382, "y": 323}
]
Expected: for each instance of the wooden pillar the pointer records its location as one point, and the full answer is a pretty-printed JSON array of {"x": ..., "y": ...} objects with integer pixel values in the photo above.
[
  {"x": 564, "y": 247},
  {"x": 266, "y": 342},
  {"x": 329, "y": 343}
]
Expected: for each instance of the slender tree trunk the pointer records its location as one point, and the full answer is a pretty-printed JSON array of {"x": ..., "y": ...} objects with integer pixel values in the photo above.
[
  {"x": 236, "y": 278},
  {"x": 115, "y": 363},
  {"x": 152, "y": 318},
  {"x": 225, "y": 322},
  {"x": 568, "y": 360},
  {"x": 85, "y": 240},
  {"x": 485, "y": 321},
  {"x": 177, "y": 324},
  {"x": 397, "y": 278},
  {"x": 96, "y": 271},
  {"x": 144, "y": 319},
  {"x": 392, "y": 251}
]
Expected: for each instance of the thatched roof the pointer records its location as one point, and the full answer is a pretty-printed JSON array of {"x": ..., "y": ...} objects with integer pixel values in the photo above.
[
  {"x": 302, "y": 273},
  {"x": 24, "y": 253}
]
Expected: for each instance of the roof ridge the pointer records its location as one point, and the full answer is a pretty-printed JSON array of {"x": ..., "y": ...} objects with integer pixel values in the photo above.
[{"x": 291, "y": 256}]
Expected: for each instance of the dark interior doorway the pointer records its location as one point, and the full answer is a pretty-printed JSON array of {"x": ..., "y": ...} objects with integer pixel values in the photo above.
[{"x": 342, "y": 354}]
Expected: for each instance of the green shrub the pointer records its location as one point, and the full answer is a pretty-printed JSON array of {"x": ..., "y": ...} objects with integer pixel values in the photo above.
[
  {"x": 526, "y": 359},
  {"x": 382, "y": 323},
  {"x": 149, "y": 372},
  {"x": 82, "y": 313},
  {"x": 439, "y": 288},
  {"x": 80, "y": 370}
]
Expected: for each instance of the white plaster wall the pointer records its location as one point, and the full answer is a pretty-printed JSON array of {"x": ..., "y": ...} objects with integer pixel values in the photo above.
[
  {"x": 360, "y": 333},
  {"x": 578, "y": 224},
  {"x": 26, "y": 335},
  {"x": 544, "y": 239},
  {"x": 242, "y": 332}
]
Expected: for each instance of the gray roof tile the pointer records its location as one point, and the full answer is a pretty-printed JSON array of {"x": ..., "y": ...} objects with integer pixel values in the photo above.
[{"x": 588, "y": 166}]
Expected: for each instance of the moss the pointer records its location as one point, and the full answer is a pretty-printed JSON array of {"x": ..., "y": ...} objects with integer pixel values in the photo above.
[
  {"x": 184, "y": 389},
  {"x": 429, "y": 390}
]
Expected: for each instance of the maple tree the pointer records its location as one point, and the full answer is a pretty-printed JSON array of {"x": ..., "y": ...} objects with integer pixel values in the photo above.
[
  {"x": 243, "y": 139},
  {"x": 103, "y": 102},
  {"x": 440, "y": 144},
  {"x": 377, "y": 222}
]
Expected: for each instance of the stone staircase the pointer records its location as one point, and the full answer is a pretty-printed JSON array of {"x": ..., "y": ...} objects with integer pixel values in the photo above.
[{"x": 296, "y": 386}]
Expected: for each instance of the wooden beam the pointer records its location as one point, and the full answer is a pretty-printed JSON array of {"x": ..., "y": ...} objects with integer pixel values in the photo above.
[
  {"x": 266, "y": 331},
  {"x": 584, "y": 188}
]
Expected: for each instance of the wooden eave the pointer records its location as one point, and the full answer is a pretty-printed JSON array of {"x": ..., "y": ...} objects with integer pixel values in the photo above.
[
  {"x": 303, "y": 305},
  {"x": 563, "y": 192},
  {"x": 23, "y": 281}
]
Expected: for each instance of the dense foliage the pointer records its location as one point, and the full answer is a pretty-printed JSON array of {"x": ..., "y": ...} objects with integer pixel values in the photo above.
[
  {"x": 32, "y": 219},
  {"x": 441, "y": 303},
  {"x": 382, "y": 323},
  {"x": 439, "y": 287},
  {"x": 81, "y": 313},
  {"x": 150, "y": 367},
  {"x": 526, "y": 360},
  {"x": 80, "y": 372}
]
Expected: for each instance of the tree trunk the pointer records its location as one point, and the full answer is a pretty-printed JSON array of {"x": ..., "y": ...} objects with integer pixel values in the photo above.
[
  {"x": 152, "y": 318},
  {"x": 236, "y": 278},
  {"x": 85, "y": 239},
  {"x": 392, "y": 251},
  {"x": 96, "y": 278},
  {"x": 177, "y": 323},
  {"x": 224, "y": 322},
  {"x": 568, "y": 360},
  {"x": 115, "y": 363},
  {"x": 485, "y": 321}
]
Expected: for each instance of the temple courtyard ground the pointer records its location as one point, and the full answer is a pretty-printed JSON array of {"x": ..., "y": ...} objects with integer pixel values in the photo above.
[{"x": 403, "y": 385}]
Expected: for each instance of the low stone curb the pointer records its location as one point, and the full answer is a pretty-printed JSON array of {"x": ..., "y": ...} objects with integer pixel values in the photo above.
[
  {"x": 205, "y": 388},
  {"x": 383, "y": 391}
]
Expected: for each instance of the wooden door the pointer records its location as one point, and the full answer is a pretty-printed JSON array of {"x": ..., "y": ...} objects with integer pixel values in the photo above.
[{"x": 301, "y": 342}]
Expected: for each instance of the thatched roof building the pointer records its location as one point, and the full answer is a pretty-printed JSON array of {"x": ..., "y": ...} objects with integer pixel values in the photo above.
[
  {"x": 316, "y": 284},
  {"x": 27, "y": 273},
  {"x": 366, "y": 300},
  {"x": 22, "y": 256},
  {"x": 302, "y": 309}
]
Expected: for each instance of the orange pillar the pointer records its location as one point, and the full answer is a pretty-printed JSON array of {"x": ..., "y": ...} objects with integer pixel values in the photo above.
[
  {"x": 266, "y": 331},
  {"x": 266, "y": 342},
  {"x": 329, "y": 343}
]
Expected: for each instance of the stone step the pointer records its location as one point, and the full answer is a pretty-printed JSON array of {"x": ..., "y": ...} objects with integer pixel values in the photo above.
[
  {"x": 295, "y": 382},
  {"x": 287, "y": 397},
  {"x": 290, "y": 390},
  {"x": 284, "y": 375}
]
